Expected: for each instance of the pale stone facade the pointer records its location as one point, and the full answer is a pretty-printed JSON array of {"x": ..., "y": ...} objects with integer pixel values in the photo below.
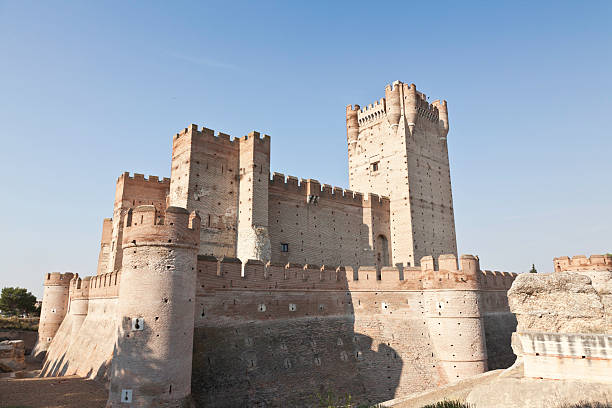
[
  {"x": 565, "y": 320},
  {"x": 269, "y": 283}
]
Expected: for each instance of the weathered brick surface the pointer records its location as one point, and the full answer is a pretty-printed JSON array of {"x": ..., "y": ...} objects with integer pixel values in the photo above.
[
  {"x": 397, "y": 148},
  {"x": 253, "y": 330}
]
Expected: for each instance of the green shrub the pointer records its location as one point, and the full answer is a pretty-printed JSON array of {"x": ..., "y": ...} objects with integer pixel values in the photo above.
[
  {"x": 447, "y": 404},
  {"x": 19, "y": 323}
]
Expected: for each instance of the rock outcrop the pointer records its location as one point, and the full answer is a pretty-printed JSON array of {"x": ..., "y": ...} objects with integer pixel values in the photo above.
[
  {"x": 12, "y": 355},
  {"x": 563, "y": 302}
]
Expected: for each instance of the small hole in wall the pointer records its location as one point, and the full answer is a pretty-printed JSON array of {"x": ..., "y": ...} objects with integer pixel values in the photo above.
[
  {"x": 165, "y": 300},
  {"x": 170, "y": 390}
]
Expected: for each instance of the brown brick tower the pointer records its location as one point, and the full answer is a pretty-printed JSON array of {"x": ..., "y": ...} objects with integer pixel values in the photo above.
[
  {"x": 397, "y": 148},
  {"x": 152, "y": 357}
]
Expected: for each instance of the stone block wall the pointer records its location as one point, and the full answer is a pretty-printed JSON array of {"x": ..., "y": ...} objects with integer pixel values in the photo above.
[
  {"x": 564, "y": 319},
  {"x": 12, "y": 355}
]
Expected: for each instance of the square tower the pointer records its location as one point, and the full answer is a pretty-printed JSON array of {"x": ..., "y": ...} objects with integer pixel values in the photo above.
[{"x": 397, "y": 148}]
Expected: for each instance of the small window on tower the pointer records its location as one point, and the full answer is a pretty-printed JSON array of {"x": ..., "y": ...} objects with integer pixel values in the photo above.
[
  {"x": 375, "y": 166},
  {"x": 284, "y": 247}
]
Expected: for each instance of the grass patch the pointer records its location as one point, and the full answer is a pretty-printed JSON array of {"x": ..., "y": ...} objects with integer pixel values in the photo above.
[
  {"x": 447, "y": 404},
  {"x": 587, "y": 405},
  {"x": 19, "y": 323}
]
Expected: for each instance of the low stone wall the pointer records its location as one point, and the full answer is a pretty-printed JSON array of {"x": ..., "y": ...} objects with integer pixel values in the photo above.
[
  {"x": 12, "y": 355},
  {"x": 567, "y": 356},
  {"x": 29, "y": 338},
  {"x": 565, "y": 321}
]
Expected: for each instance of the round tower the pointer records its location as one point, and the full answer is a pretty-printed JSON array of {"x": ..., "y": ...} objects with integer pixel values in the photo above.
[
  {"x": 443, "y": 117},
  {"x": 411, "y": 105},
  {"x": 54, "y": 307},
  {"x": 79, "y": 303},
  {"x": 456, "y": 327},
  {"x": 152, "y": 359},
  {"x": 393, "y": 102},
  {"x": 352, "y": 124}
]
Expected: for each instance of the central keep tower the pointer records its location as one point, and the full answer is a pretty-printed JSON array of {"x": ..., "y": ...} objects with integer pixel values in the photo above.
[{"x": 397, "y": 148}]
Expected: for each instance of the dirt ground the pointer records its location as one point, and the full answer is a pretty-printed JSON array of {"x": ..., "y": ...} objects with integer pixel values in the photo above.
[{"x": 64, "y": 392}]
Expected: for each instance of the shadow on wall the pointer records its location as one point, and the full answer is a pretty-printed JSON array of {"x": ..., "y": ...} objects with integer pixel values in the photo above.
[{"x": 283, "y": 346}]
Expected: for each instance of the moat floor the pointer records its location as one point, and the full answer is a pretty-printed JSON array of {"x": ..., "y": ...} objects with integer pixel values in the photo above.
[{"x": 64, "y": 392}]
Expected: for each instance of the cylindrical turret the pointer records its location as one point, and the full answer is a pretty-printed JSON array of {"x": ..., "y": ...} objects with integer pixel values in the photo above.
[
  {"x": 79, "y": 303},
  {"x": 456, "y": 328},
  {"x": 393, "y": 102},
  {"x": 443, "y": 115},
  {"x": 411, "y": 105},
  {"x": 352, "y": 124},
  {"x": 53, "y": 311},
  {"x": 152, "y": 360}
]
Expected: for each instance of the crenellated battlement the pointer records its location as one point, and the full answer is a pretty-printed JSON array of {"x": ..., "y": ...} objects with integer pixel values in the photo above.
[
  {"x": 211, "y": 136},
  {"x": 58, "y": 279},
  {"x": 311, "y": 187},
  {"x": 227, "y": 273},
  {"x": 105, "y": 285},
  {"x": 372, "y": 112},
  {"x": 145, "y": 225},
  {"x": 582, "y": 263},
  {"x": 79, "y": 288},
  {"x": 400, "y": 97},
  {"x": 140, "y": 178}
]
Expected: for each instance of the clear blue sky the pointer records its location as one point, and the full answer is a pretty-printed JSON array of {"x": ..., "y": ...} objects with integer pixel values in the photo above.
[{"x": 91, "y": 89}]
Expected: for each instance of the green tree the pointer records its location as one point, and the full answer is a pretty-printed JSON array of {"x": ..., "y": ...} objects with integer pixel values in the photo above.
[
  {"x": 16, "y": 301},
  {"x": 533, "y": 269}
]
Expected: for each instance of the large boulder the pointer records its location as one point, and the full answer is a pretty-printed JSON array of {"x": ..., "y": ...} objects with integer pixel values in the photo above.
[{"x": 563, "y": 302}]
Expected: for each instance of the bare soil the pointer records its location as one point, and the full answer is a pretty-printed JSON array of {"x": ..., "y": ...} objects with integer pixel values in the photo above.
[{"x": 57, "y": 392}]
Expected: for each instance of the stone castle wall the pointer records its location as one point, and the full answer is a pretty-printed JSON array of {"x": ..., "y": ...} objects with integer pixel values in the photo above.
[
  {"x": 85, "y": 340},
  {"x": 223, "y": 258},
  {"x": 308, "y": 328},
  {"x": 130, "y": 192},
  {"x": 260, "y": 329},
  {"x": 325, "y": 225},
  {"x": 397, "y": 148}
]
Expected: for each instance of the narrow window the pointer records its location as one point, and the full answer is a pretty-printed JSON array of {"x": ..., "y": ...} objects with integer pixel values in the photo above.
[
  {"x": 375, "y": 166},
  {"x": 284, "y": 247}
]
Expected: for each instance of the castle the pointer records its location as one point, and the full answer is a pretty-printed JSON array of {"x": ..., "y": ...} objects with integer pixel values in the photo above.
[{"x": 229, "y": 286}]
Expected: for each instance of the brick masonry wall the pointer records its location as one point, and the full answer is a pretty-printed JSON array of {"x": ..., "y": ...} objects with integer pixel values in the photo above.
[
  {"x": 397, "y": 148},
  {"x": 131, "y": 192},
  {"x": 89, "y": 351},
  {"x": 205, "y": 178},
  {"x": 340, "y": 228},
  {"x": 336, "y": 341},
  {"x": 309, "y": 330}
]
